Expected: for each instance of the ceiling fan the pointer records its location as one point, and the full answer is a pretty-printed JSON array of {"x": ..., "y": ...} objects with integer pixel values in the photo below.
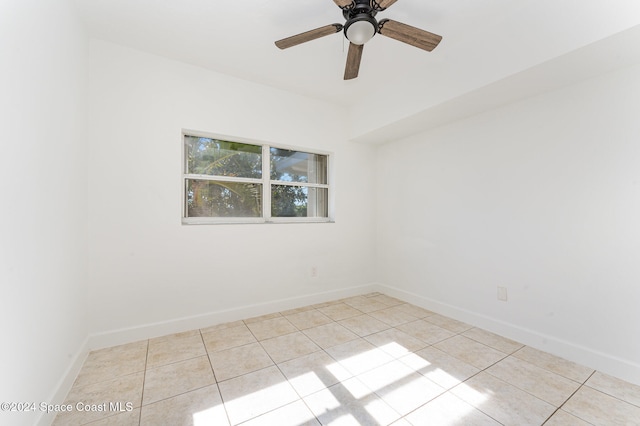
[{"x": 360, "y": 27}]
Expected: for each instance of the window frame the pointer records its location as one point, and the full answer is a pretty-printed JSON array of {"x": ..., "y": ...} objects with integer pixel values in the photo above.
[{"x": 265, "y": 181}]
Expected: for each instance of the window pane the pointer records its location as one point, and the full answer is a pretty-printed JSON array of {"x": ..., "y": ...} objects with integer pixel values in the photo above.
[
  {"x": 223, "y": 199},
  {"x": 299, "y": 201},
  {"x": 296, "y": 166},
  {"x": 207, "y": 156}
]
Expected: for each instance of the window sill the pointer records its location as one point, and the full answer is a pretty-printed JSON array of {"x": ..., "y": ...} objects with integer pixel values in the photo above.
[{"x": 252, "y": 221}]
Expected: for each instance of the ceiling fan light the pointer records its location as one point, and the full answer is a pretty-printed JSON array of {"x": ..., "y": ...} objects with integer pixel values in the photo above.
[{"x": 361, "y": 31}]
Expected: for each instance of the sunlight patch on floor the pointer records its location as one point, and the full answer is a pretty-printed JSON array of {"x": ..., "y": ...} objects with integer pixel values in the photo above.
[
  {"x": 473, "y": 396},
  {"x": 395, "y": 349},
  {"x": 209, "y": 416}
]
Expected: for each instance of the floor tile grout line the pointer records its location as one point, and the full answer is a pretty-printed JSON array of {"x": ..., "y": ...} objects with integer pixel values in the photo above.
[
  {"x": 144, "y": 379},
  {"x": 448, "y": 392},
  {"x": 545, "y": 368},
  {"x": 471, "y": 405},
  {"x": 109, "y": 379},
  {"x": 300, "y": 397},
  {"x": 476, "y": 374},
  {"x": 176, "y": 395},
  {"x": 524, "y": 390},
  {"x": 224, "y": 406},
  {"x": 606, "y": 393},
  {"x": 235, "y": 347},
  {"x": 283, "y": 375},
  {"x": 512, "y": 354},
  {"x": 352, "y": 376},
  {"x": 155, "y": 367},
  {"x": 320, "y": 350},
  {"x": 571, "y": 396}
]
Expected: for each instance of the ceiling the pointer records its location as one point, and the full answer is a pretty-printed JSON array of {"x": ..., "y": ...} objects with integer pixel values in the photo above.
[{"x": 484, "y": 41}]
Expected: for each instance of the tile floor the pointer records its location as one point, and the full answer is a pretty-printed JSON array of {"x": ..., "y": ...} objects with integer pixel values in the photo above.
[{"x": 364, "y": 360}]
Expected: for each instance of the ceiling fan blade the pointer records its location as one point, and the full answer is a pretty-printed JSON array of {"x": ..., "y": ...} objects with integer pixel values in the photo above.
[
  {"x": 383, "y": 4},
  {"x": 353, "y": 61},
  {"x": 343, "y": 3},
  {"x": 408, "y": 34},
  {"x": 308, "y": 36}
]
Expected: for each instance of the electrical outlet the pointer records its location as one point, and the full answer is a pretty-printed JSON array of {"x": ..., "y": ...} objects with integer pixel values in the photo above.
[
  {"x": 502, "y": 294},
  {"x": 313, "y": 272}
]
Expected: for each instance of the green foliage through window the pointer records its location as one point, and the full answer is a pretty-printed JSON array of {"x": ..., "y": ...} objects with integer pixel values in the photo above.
[{"x": 224, "y": 179}]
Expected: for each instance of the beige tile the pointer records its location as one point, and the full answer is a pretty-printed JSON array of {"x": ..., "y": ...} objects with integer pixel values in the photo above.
[
  {"x": 386, "y": 300},
  {"x": 554, "y": 364},
  {"x": 174, "y": 379},
  {"x": 451, "y": 411},
  {"x": 547, "y": 386},
  {"x": 289, "y": 346},
  {"x": 331, "y": 334},
  {"x": 221, "y": 326},
  {"x": 273, "y": 327},
  {"x": 439, "y": 367},
  {"x": 308, "y": 319},
  {"x": 359, "y": 356},
  {"x": 178, "y": 347},
  {"x": 502, "y": 401},
  {"x": 298, "y": 310},
  {"x": 365, "y": 304},
  {"x": 400, "y": 387},
  {"x": 425, "y": 331},
  {"x": 474, "y": 353},
  {"x": 448, "y": 323},
  {"x": 601, "y": 409},
  {"x": 495, "y": 341},
  {"x": 325, "y": 304},
  {"x": 416, "y": 311},
  {"x": 363, "y": 325},
  {"x": 395, "y": 372},
  {"x": 340, "y": 311},
  {"x": 313, "y": 372},
  {"x": 226, "y": 338},
  {"x": 179, "y": 335},
  {"x": 263, "y": 318},
  {"x": 562, "y": 418},
  {"x": 395, "y": 342},
  {"x": 109, "y": 363},
  {"x": 350, "y": 403},
  {"x": 123, "y": 390},
  {"x": 201, "y": 406},
  {"x": 237, "y": 361},
  {"x": 615, "y": 387},
  {"x": 393, "y": 316},
  {"x": 386, "y": 376},
  {"x": 127, "y": 418},
  {"x": 256, "y": 393},
  {"x": 354, "y": 299},
  {"x": 294, "y": 414}
]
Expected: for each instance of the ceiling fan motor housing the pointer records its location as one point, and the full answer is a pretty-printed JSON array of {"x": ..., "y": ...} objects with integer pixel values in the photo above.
[{"x": 361, "y": 23}]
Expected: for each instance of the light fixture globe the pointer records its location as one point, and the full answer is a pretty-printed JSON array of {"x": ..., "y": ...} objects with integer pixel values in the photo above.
[{"x": 360, "y": 29}]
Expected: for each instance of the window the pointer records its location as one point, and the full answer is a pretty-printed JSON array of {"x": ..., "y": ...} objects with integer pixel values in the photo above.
[{"x": 229, "y": 181}]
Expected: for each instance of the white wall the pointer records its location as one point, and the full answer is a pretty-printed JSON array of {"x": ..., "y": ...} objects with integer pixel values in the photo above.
[
  {"x": 145, "y": 267},
  {"x": 43, "y": 221},
  {"x": 542, "y": 197},
  {"x": 524, "y": 34}
]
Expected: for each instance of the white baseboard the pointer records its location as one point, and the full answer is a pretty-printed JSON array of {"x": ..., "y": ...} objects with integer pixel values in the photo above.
[
  {"x": 606, "y": 363},
  {"x": 66, "y": 382},
  {"x": 147, "y": 331}
]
